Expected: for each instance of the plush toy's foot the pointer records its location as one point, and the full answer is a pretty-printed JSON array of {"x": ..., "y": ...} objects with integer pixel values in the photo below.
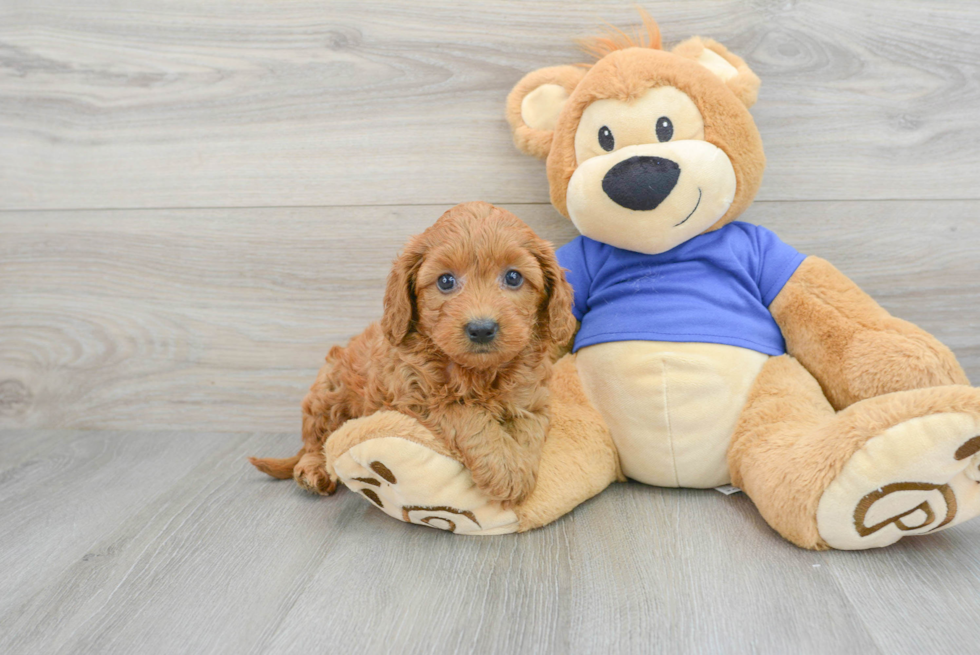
[
  {"x": 916, "y": 477},
  {"x": 887, "y": 467},
  {"x": 402, "y": 468},
  {"x": 398, "y": 465}
]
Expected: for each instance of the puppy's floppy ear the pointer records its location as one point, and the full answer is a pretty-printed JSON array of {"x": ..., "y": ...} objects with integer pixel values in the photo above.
[
  {"x": 401, "y": 311},
  {"x": 556, "y": 310},
  {"x": 730, "y": 68},
  {"x": 534, "y": 104}
]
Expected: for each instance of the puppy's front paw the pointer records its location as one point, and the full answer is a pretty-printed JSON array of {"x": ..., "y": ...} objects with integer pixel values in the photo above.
[
  {"x": 503, "y": 485},
  {"x": 312, "y": 476}
]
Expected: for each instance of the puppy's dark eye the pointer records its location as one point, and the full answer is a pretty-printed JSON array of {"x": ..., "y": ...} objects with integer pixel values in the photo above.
[
  {"x": 446, "y": 282},
  {"x": 606, "y": 140},
  {"x": 665, "y": 129},
  {"x": 513, "y": 279}
]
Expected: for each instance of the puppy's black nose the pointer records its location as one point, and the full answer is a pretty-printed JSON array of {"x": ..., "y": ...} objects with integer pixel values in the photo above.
[
  {"x": 483, "y": 330},
  {"x": 641, "y": 183}
]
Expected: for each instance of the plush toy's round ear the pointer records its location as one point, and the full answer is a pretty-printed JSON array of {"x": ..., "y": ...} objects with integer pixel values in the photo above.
[
  {"x": 730, "y": 68},
  {"x": 534, "y": 104}
]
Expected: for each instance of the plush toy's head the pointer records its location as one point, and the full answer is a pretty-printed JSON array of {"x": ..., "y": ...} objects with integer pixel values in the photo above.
[{"x": 646, "y": 148}]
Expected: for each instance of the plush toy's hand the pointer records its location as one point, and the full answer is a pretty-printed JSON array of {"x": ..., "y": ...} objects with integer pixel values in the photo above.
[
  {"x": 877, "y": 362},
  {"x": 850, "y": 344}
]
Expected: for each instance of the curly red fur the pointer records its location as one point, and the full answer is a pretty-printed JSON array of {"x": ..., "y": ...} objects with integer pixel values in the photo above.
[{"x": 489, "y": 403}]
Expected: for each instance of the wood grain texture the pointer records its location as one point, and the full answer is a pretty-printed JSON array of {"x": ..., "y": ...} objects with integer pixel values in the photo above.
[
  {"x": 72, "y": 488},
  {"x": 198, "y": 199},
  {"x": 251, "y": 103},
  {"x": 208, "y": 556},
  {"x": 942, "y": 574},
  {"x": 219, "y": 319}
]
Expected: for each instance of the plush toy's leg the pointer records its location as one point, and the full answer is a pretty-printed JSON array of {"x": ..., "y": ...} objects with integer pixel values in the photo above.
[
  {"x": 896, "y": 465},
  {"x": 579, "y": 458},
  {"x": 402, "y": 468},
  {"x": 397, "y": 464}
]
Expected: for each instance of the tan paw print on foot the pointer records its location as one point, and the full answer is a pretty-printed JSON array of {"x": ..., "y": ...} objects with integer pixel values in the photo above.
[
  {"x": 971, "y": 450},
  {"x": 442, "y": 518},
  {"x": 887, "y": 507},
  {"x": 414, "y": 484},
  {"x": 915, "y": 478}
]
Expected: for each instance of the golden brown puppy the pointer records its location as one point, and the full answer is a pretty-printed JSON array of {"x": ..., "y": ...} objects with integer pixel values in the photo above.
[{"x": 474, "y": 309}]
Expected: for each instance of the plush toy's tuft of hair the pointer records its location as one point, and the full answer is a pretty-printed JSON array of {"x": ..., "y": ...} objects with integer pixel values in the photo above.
[{"x": 616, "y": 39}]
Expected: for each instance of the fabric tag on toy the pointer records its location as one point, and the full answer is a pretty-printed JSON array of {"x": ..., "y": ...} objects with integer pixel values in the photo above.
[{"x": 728, "y": 489}]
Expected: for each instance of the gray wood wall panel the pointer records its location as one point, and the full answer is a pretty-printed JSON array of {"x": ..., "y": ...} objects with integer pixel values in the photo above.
[
  {"x": 250, "y": 103},
  {"x": 217, "y": 319}
]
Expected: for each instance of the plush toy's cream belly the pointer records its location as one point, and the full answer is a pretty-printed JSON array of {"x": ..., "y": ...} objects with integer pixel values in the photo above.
[{"x": 671, "y": 407}]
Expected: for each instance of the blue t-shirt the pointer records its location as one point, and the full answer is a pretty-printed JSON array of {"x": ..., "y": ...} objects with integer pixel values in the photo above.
[{"x": 715, "y": 288}]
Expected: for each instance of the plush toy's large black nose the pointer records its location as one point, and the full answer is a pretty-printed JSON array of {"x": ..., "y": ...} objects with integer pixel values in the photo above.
[
  {"x": 641, "y": 183},
  {"x": 482, "y": 330}
]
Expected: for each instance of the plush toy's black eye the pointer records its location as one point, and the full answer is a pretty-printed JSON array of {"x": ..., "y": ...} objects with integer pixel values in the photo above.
[
  {"x": 665, "y": 129},
  {"x": 446, "y": 282},
  {"x": 606, "y": 139},
  {"x": 513, "y": 279}
]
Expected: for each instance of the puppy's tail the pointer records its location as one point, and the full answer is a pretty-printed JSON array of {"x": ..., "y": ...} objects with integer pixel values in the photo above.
[{"x": 277, "y": 468}]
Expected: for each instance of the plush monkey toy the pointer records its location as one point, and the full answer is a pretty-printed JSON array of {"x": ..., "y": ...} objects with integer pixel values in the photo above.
[{"x": 709, "y": 352}]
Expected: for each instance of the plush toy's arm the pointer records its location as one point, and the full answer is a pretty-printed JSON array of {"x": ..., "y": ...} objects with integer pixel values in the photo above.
[{"x": 850, "y": 344}]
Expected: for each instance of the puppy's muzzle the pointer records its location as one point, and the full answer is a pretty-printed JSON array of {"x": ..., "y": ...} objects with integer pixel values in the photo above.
[
  {"x": 641, "y": 183},
  {"x": 482, "y": 331}
]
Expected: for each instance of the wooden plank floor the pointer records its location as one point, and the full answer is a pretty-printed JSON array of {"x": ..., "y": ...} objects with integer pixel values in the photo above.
[
  {"x": 197, "y": 199},
  {"x": 200, "y": 555},
  {"x": 162, "y": 542}
]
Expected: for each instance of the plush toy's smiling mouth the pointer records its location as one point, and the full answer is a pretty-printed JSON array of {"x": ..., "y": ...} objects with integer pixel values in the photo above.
[
  {"x": 644, "y": 204},
  {"x": 696, "y": 205}
]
